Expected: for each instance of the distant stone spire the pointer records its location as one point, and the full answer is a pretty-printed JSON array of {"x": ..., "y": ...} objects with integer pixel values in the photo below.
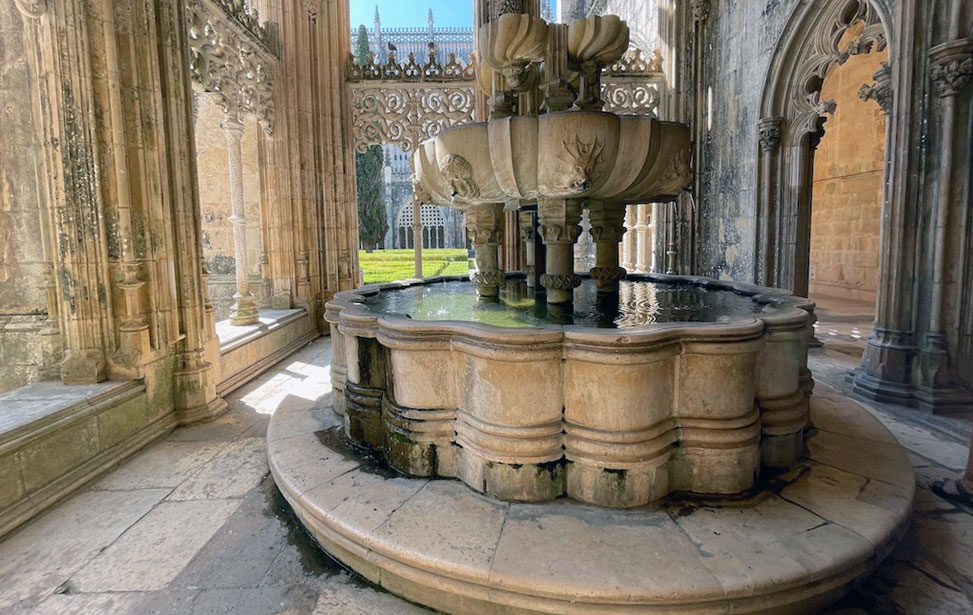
[
  {"x": 432, "y": 22},
  {"x": 380, "y": 48}
]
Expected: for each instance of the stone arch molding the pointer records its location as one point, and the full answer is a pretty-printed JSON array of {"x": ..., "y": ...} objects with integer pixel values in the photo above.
[{"x": 792, "y": 114}]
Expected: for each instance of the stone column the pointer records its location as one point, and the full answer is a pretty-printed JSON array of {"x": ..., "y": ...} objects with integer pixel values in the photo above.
[
  {"x": 560, "y": 227},
  {"x": 658, "y": 237},
  {"x": 607, "y": 228},
  {"x": 952, "y": 70},
  {"x": 628, "y": 241},
  {"x": 528, "y": 234},
  {"x": 769, "y": 130},
  {"x": 644, "y": 249},
  {"x": 244, "y": 309},
  {"x": 485, "y": 225},
  {"x": 417, "y": 236}
]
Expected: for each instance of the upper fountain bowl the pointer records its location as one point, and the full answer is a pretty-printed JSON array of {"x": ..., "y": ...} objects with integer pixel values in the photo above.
[{"x": 574, "y": 154}]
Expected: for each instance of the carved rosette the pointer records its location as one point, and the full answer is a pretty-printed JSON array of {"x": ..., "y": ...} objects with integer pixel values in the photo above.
[
  {"x": 568, "y": 281},
  {"x": 952, "y": 67},
  {"x": 770, "y": 130}
]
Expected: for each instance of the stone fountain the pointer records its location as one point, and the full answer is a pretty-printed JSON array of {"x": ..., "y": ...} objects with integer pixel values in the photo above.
[{"x": 546, "y": 392}]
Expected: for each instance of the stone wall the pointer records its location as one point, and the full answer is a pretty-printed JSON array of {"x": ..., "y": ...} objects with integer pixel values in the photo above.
[
  {"x": 848, "y": 175},
  {"x": 740, "y": 41},
  {"x": 214, "y": 196},
  {"x": 24, "y": 351}
]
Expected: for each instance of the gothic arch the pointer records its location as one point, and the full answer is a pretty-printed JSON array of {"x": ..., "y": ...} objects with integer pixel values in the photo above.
[{"x": 792, "y": 118}]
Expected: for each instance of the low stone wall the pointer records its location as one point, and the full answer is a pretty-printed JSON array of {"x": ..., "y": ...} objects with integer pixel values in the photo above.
[
  {"x": 247, "y": 351},
  {"x": 55, "y": 438}
]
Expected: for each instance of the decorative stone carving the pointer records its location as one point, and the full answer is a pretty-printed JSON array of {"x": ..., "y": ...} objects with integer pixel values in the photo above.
[
  {"x": 770, "y": 133},
  {"x": 701, "y": 10},
  {"x": 581, "y": 159},
  {"x": 881, "y": 90},
  {"x": 230, "y": 59},
  {"x": 407, "y": 115},
  {"x": 459, "y": 173},
  {"x": 562, "y": 282},
  {"x": 493, "y": 277},
  {"x": 607, "y": 274},
  {"x": 952, "y": 66}
]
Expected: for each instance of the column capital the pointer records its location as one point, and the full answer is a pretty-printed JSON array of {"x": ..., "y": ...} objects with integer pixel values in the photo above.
[
  {"x": 952, "y": 66},
  {"x": 771, "y": 131},
  {"x": 881, "y": 90},
  {"x": 701, "y": 9}
]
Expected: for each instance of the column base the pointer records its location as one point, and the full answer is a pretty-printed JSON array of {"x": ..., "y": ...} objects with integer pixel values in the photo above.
[
  {"x": 488, "y": 283},
  {"x": 560, "y": 288},
  {"x": 244, "y": 311},
  {"x": 886, "y": 370},
  {"x": 879, "y": 389},
  {"x": 202, "y": 413}
]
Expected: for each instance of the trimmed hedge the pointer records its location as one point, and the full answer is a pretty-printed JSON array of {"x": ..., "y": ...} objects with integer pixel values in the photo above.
[{"x": 390, "y": 265}]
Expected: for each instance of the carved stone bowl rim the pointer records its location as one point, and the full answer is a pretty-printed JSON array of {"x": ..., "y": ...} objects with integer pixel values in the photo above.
[{"x": 347, "y": 310}]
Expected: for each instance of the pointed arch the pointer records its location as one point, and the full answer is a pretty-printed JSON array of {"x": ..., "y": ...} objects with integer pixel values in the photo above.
[{"x": 792, "y": 118}]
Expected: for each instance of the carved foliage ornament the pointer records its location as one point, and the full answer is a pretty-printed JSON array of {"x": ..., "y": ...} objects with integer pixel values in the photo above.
[
  {"x": 952, "y": 66},
  {"x": 407, "y": 116},
  {"x": 581, "y": 159},
  {"x": 701, "y": 10},
  {"x": 881, "y": 90},
  {"x": 233, "y": 67},
  {"x": 770, "y": 133}
]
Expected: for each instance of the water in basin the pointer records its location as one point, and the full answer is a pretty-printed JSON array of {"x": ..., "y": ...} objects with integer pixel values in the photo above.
[{"x": 638, "y": 303}]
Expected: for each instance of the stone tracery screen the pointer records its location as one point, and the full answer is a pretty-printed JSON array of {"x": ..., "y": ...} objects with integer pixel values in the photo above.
[{"x": 406, "y": 103}]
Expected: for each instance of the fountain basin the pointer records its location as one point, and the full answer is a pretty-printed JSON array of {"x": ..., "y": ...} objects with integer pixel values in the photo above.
[
  {"x": 617, "y": 417},
  {"x": 570, "y": 154}
]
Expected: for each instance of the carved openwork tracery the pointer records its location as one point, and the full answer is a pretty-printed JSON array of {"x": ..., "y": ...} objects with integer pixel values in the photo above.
[
  {"x": 232, "y": 57},
  {"x": 406, "y": 102}
]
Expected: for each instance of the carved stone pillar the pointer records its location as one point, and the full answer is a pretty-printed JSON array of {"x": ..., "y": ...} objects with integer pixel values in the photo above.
[
  {"x": 770, "y": 134},
  {"x": 244, "y": 309},
  {"x": 485, "y": 225},
  {"x": 658, "y": 237},
  {"x": 528, "y": 234},
  {"x": 560, "y": 228},
  {"x": 952, "y": 70},
  {"x": 643, "y": 247},
  {"x": 629, "y": 256},
  {"x": 607, "y": 228}
]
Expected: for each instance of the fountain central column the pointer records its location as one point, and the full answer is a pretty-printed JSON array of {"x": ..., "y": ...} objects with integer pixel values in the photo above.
[
  {"x": 560, "y": 228},
  {"x": 607, "y": 228},
  {"x": 485, "y": 226}
]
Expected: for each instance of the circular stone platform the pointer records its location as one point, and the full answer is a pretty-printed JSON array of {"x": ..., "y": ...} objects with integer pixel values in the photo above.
[{"x": 793, "y": 548}]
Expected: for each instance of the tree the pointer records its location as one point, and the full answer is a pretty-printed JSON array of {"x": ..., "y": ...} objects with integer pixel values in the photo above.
[
  {"x": 372, "y": 221},
  {"x": 361, "y": 46}
]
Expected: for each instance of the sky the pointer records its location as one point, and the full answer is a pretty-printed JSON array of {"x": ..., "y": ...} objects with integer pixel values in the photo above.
[{"x": 412, "y": 13}]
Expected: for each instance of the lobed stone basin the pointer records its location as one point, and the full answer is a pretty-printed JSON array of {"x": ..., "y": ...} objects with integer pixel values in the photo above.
[
  {"x": 570, "y": 154},
  {"x": 617, "y": 417}
]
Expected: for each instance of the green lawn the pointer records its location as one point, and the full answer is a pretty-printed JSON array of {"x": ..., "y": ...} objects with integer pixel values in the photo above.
[{"x": 389, "y": 265}]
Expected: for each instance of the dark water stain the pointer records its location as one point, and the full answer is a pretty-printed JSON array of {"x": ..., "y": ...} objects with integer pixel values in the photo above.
[
  {"x": 314, "y": 560},
  {"x": 372, "y": 462}
]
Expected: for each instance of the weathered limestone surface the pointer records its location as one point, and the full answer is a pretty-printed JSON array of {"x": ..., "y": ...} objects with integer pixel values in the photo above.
[
  {"x": 740, "y": 41},
  {"x": 792, "y": 549}
]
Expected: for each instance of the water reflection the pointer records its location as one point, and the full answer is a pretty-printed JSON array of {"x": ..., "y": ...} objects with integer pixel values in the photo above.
[{"x": 637, "y": 303}]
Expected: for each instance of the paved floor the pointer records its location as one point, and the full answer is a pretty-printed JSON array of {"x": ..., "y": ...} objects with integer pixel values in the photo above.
[{"x": 193, "y": 525}]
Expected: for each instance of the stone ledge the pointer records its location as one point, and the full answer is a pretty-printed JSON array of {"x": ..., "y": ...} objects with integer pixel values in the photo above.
[
  {"x": 63, "y": 437},
  {"x": 794, "y": 548},
  {"x": 247, "y": 351}
]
